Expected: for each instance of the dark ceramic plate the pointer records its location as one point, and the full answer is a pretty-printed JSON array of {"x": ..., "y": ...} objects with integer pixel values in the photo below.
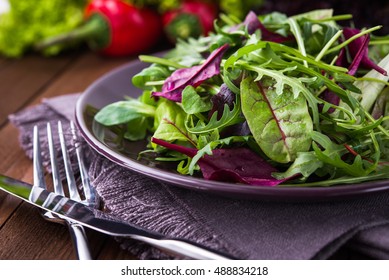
[{"x": 116, "y": 84}]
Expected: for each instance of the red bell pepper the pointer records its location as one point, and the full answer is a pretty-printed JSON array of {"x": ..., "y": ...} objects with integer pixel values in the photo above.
[{"x": 114, "y": 28}]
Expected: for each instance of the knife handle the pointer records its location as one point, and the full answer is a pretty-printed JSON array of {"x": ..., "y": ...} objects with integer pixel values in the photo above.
[
  {"x": 80, "y": 241},
  {"x": 183, "y": 248}
]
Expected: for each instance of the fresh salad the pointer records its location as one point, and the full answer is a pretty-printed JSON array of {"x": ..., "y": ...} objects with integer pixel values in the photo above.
[{"x": 270, "y": 101}]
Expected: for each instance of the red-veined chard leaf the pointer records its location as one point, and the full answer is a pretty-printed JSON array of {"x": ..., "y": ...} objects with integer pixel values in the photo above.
[
  {"x": 193, "y": 76},
  {"x": 240, "y": 165},
  {"x": 279, "y": 122}
]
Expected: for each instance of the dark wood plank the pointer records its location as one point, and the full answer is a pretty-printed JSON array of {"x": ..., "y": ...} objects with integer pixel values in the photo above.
[
  {"x": 14, "y": 163},
  {"x": 82, "y": 73},
  {"x": 22, "y": 79},
  {"x": 27, "y": 236},
  {"x": 14, "y": 215},
  {"x": 8, "y": 204}
]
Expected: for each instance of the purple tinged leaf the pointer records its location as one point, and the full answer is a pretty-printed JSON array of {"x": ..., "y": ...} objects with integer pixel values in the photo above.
[
  {"x": 359, "y": 52},
  {"x": 253, "y": 24},
  {"x": 224, "y": 96},
  {"x": 330, "y": 97},
  {"x": 193, "y": 76},
  {"x": 239, "y": 165}
]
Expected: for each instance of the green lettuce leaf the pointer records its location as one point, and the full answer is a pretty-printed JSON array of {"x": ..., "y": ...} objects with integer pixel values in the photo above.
[{"x": 169, "y": 122}]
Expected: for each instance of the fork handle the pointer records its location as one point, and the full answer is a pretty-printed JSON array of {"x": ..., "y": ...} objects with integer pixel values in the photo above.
[{"x": 80, "y": 241}]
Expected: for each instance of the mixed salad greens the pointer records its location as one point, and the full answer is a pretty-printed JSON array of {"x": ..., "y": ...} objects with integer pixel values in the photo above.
[{"x": 272, "y": 100}]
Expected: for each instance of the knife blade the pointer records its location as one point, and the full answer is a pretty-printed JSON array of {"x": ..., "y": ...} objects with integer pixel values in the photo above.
[{"x": 99, "y": 221}]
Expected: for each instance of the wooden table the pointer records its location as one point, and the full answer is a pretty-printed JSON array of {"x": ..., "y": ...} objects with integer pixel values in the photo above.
[{"x": 24, "y": 234}]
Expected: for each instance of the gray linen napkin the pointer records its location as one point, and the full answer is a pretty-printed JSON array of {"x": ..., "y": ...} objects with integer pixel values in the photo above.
[{"x": 247, "y": 229}]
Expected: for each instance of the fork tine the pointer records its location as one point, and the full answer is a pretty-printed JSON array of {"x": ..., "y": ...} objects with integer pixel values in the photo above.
[
  {"x": 89, "y": 193},
  {"x": 39, "y": 177},
  {"x": 58, "y": 188},
  {"x": 73, "y": 191}
]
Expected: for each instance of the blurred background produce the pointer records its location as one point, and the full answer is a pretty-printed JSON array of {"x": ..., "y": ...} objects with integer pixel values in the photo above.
[
  {"x": 112, "y": 28},
  {"x": 30, "y": 26},
  {"x": 26, "y": 22}
]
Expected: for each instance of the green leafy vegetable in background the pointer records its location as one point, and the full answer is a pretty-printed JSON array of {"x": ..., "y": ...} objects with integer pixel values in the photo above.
[{"x": 32, "y": 20}]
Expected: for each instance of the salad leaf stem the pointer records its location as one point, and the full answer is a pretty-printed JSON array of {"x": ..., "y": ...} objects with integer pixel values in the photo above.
[
  {"x": 334, "y": 38},
  {"x": 154, "y": 83},
  {"x": 356, "y": 36},
  {"x": 379, "y": 42},
  {"x": 294, "y": 27},
  {"x": 333, "y": 18},
  {"x": 161, "y": 61},
  {"x": 374, "y": 80}
]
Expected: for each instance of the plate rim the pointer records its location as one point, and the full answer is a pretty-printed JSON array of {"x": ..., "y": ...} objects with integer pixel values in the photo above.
[{"x": 235, "y": 190}]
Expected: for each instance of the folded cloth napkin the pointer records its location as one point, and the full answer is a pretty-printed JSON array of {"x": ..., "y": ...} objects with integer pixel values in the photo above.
[{"x": 247, "y": 229}]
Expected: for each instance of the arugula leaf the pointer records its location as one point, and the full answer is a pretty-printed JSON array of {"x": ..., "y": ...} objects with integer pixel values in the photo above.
[
  {"x": 228, "y": 118},
  {"x": 332, "y": 155}
]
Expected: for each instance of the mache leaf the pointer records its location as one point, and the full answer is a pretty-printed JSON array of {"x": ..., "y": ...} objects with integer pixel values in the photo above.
[{"x": 124, "y": 111}]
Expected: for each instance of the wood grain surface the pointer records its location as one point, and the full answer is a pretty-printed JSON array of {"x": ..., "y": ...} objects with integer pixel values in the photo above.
[{"x": 24, "y": 234}]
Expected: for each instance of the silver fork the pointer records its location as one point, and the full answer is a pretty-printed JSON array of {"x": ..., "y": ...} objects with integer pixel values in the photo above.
[{"x": 77, "y": 231}]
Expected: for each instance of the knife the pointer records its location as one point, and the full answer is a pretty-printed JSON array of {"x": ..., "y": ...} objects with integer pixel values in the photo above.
[{"x": 98, "y": 220}]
